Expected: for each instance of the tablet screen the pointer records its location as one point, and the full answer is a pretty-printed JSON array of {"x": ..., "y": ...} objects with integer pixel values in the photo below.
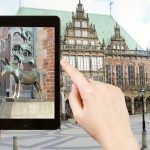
[{"x": 28, "y": 66}]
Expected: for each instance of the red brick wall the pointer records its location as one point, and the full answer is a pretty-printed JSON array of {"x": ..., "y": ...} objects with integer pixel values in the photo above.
[{"x": 49, "y": 63}]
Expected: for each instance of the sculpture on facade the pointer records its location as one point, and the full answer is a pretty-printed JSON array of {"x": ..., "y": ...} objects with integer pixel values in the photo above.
[{"x": 22, "y": 52}]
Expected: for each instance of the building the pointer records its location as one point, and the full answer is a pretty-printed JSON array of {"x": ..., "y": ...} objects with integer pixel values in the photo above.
[{"x": 101, "y": 49}]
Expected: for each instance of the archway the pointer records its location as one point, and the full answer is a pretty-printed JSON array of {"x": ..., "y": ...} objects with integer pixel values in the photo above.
[
  {"x": 137, "y": 105},
  {"x": 68, "y": 111},
  {"x": 128, "y": 104},
  {"x": 148, "y": 104}
]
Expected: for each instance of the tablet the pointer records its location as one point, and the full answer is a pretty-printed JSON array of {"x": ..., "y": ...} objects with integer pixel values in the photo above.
[{"x": 29, "y": 72}]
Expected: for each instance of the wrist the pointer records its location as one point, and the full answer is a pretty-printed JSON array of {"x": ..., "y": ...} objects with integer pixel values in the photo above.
[{"x": 124, "y": 140}]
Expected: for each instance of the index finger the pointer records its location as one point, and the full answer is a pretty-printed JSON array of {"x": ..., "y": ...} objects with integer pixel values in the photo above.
[{"x": 78, "y": 79}]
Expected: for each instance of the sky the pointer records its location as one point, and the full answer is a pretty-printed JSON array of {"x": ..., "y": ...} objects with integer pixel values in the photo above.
[{"x": 132, "y": 15}]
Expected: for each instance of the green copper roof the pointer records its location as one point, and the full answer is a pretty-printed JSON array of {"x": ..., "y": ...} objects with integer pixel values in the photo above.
[{"x": 104, "y": 24}]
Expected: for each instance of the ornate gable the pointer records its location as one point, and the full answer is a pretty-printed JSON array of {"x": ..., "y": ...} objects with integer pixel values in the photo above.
[
  {"x": 79, "y": 31},
  {"x": 117, "y": 41}
]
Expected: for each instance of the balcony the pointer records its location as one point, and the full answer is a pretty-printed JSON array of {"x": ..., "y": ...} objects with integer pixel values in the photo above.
[
  {"x": 128, "y": 52},
  {"x": 80, "y": 47}
]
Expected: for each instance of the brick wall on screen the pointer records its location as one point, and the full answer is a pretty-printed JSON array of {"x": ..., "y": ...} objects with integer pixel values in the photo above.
[
  {"x": 49, "y": 62},
  {"x": 45, "y": 53}
]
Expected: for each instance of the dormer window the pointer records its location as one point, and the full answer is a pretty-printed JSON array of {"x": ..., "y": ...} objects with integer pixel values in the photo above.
[
  {"x": 114, "y": 46},
  {"x": 118, "y": 46},
  {"x": 92, "y": 42},
  {"x": 84, "y": 33},
  {"x": 77, "y": 23},
  {"x": 85, "y": 42},
  {"x": 84, "y": 24},
  {"x": 78, "y": 41},
  {"x": 77, "y": 33},
  {"x": 71, "y": 41}
]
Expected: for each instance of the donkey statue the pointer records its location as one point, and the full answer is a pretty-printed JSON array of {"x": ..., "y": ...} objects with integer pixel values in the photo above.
[{"x": 21, "y": 77}]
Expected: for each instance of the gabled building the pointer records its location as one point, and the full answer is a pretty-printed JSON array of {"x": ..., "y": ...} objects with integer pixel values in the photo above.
[{"x": 101, "y": 49}]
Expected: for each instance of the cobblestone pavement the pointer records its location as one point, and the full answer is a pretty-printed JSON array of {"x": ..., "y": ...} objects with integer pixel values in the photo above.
[{"x": 69, "y": 137}]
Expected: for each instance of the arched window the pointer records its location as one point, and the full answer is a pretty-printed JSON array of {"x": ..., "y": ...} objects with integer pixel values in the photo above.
[
  {"x": 108, "y": 73},
  {"x": 122, "y": 47},
  {"x": 119, "y": 74},
  {"x": 142, "y": 74},
  {"x": 114, "y": 46},
  {"x": 131, "y": 74},
  {"x": 118, "y": 46}
]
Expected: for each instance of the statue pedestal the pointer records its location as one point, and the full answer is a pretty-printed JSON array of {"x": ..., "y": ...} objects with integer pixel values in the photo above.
[
  {"x": 27, "y": 109},
  {"x": 9, "y": 99}
]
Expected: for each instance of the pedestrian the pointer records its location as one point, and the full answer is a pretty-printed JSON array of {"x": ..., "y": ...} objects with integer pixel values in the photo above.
[{"x": 100, "y": 109}]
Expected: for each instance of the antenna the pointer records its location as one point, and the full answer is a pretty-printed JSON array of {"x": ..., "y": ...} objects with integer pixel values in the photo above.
[{"x": 110, "y": 6}]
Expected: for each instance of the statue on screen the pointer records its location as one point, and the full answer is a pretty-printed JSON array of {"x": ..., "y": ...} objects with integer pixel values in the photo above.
[{"x": 23, "y": 54}]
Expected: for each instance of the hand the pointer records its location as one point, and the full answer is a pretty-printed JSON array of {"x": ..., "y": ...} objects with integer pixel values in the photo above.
[{"x": 101, "y": 110}]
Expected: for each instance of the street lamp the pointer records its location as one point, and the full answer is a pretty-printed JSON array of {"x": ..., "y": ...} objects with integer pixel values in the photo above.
[{"x": 144, "y": 137}]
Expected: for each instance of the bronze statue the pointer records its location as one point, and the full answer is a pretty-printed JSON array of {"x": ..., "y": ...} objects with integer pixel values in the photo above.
[
  {"x": 24, "y": 34},
  {"x": 22, "y": 59},
  {"x": 23, "y": 53},
  {"x": 23, "y": 48},
  {"x": 21, "y": 77}
]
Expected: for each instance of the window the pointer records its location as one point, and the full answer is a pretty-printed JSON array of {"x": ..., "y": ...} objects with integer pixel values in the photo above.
[
  {"x": 85, "y": 42},
  {"x": 96, "y": 63},
  {"x": 70, "y": 33},
  {"x": 77, "y": 23},
  {"x": 78, "y": 41},
  {"x": 84, "y": 24},
  {"x": 85, "y": 33},
  {"x": 71, "y": 41},
  {"x": 86, "y": 63},
  {"x": 77, "y": 33},
  {"x": 97, "y": 78},
  {"x": 67, "y": 83},
  {"x": 114, "y": 46},
  {"x": 70, "y": 59},
  {"x": 118, "y": 46},
  {"x": 66, "y": 58},
  {"x": 142, "y": 75},
  {"x": 108, "y": 73},
  {"x": 92, "y": 43},
  {"x": 80, "y": 63},
  {"x": 131, "y": 74},
  {"x": 99, "y": 62},
  {"x": 119, "y": 74},
  {"x": 122, "y": 47}
]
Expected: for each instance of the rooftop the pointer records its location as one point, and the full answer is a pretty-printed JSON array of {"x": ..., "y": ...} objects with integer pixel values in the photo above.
[{"x": 104, "y": 24}]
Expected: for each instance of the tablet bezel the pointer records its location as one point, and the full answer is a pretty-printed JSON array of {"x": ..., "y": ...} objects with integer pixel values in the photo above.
[{"x": 38, "y": 124}]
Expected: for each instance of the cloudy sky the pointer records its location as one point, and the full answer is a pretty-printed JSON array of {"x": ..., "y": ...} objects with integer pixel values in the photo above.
[{"x": 132, "y": 15}]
